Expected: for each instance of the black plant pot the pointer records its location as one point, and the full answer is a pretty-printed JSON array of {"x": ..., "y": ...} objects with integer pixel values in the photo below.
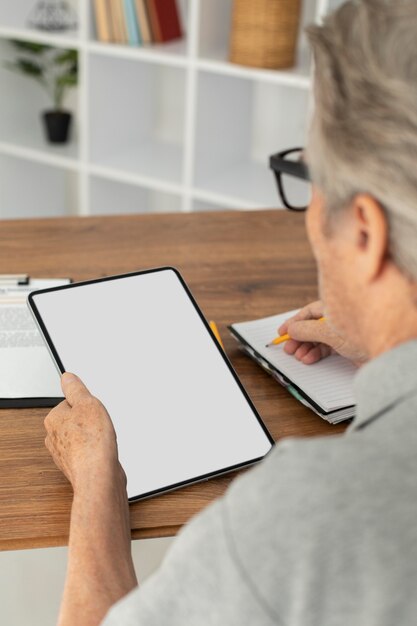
[{"x": 57, "y": 125}]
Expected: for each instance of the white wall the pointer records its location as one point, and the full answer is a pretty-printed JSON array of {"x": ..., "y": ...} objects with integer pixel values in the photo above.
[{"x": 31, "y": 581}]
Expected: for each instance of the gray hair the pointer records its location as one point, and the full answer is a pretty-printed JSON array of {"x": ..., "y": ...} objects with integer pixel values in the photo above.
[{"x": 363, "y": 136}]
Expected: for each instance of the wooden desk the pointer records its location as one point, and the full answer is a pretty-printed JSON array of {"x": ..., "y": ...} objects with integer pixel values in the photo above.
[{"x": 239, "y": 265}]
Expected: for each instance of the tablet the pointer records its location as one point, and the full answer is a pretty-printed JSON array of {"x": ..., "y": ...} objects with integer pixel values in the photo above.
[{"x": 142, "y": 346}]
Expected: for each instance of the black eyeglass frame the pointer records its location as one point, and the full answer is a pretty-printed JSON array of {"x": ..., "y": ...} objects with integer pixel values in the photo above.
[{"x": 282, "y": 165}]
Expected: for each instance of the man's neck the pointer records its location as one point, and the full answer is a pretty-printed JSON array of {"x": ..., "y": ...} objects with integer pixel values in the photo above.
[{"x": 385, "y": 334}]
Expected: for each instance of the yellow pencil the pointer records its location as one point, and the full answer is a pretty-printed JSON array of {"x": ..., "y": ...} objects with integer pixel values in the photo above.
[
  {"x": 216, "y": 333},
  {"x": 282, "y": 338}
]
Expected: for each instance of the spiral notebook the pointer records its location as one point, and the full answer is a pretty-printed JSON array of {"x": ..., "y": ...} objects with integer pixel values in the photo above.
[{"x": 325, "y": 387}]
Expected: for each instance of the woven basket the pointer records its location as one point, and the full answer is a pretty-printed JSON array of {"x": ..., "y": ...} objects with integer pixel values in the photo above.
[{"x": 264, "y": 33}]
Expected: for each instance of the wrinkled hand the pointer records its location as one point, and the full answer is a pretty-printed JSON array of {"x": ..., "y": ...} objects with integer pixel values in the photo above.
[
  {"x": 80, "y": 434},
  {"x": 313, "y": 340}
]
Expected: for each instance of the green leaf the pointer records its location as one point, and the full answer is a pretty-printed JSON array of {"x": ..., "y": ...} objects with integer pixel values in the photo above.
[
  {"x": 30, "y": 68},
  {"x": 67, "y": 56},
  {"x": 73, "y": 70},
  {"x": 67, "y": 80},
  {"x": 29, "y": 46}
]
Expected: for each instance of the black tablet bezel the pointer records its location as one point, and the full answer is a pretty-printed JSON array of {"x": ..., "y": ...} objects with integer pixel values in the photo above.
[{"x": 44, "y": 332}]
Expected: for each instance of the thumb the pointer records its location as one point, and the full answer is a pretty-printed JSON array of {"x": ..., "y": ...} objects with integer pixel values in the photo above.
[
  {"x": 73, "y": 388},
  {"x": 310, "y": 330}
]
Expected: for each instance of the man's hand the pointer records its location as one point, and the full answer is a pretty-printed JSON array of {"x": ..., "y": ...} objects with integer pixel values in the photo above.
[
  {"x": 313, "y": 340},
  {"x": 82, "y": 442},
  {"x": 80, "y": 434}
]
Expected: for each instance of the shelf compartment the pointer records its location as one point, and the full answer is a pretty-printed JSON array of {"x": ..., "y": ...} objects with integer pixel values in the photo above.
[
  {"x": 21, "y": 126},
  {"x": 111, "y": 198},
  {"x": 64, "y": 40},
  {"x": 297, "y": 77},
  {"x": 30, "y": 189},
  {"x": 240, "y": 124},
  {"x": 214, "y": 36},
  {"x": 35, "y": 150},
  {"x": 136, "y": 118},
  {"x": 14, "y": 23},
  {"x": 172, "y": 52}
]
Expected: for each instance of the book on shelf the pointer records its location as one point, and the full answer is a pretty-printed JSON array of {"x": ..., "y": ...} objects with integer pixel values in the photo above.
[
  {"x": 164, "y": 19},
  {"x": 119, "y": 23},
  {"x": 137, "y": 22},
  {"x": 103, "y": 23},
  {"x": 131, "y": 22},
  {"x": 143, "y": 21},
  {"x": 112, "y": 21},
  {"x": 153, "y": 22}
]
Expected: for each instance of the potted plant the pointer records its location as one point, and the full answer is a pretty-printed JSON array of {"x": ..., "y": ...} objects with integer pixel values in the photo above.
[{"x": 56, "y": 70}]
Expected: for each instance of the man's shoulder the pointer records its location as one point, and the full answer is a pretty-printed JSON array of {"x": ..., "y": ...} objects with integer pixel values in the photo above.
[
  {"x": 307, "y": 482},
  {"x": 302, "y": 464},
  {"x": 310, "y": 507}
]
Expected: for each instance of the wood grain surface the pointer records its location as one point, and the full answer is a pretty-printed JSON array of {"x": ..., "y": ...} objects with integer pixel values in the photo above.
[{"x": 239, "y": 266}]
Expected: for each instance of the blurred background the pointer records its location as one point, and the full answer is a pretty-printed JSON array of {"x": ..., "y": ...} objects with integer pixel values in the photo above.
[{"x": 185, "y": 124}]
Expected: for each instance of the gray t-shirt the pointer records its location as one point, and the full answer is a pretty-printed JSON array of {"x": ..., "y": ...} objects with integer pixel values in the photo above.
[{"x": 322, "y": 533}]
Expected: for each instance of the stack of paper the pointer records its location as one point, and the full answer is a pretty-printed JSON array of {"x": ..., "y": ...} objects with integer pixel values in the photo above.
[
  {"x": 28, "y": 376},
  {"x": 325, "y": 387}
]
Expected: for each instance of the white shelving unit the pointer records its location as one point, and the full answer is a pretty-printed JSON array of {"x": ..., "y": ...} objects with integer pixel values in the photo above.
[{"x": 172, "y": 127}]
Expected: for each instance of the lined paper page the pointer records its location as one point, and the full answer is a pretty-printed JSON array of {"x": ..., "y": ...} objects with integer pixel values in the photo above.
[{"x": 328, "y": 382}]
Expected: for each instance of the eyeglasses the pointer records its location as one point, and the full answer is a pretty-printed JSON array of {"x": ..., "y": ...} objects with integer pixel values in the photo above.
[{"x": 293, "y": 179}]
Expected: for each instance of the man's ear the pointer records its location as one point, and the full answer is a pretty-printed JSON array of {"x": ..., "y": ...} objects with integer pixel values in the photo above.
[{"x": 370, "y": 235}]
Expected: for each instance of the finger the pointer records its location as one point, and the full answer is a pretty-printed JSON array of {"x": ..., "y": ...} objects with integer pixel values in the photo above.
[
  {"x": 291, "y": 346},
  {"x": 57, "y": 413},
  {"x": 73, "y": 388},
  {"x": 312, "y": 311},
  {"x": 303, "y": 350},
  {"x": 310, "y": 330},
  {"x": 283, "y": 329},
  {"x": 317, "y": 353}
]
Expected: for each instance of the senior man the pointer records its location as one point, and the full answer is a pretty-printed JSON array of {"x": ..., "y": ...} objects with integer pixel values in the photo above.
[{"x": 324, "y": 531}]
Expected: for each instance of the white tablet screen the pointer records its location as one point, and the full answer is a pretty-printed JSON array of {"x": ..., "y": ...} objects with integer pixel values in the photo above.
[{"x": 140, "y": 345}]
